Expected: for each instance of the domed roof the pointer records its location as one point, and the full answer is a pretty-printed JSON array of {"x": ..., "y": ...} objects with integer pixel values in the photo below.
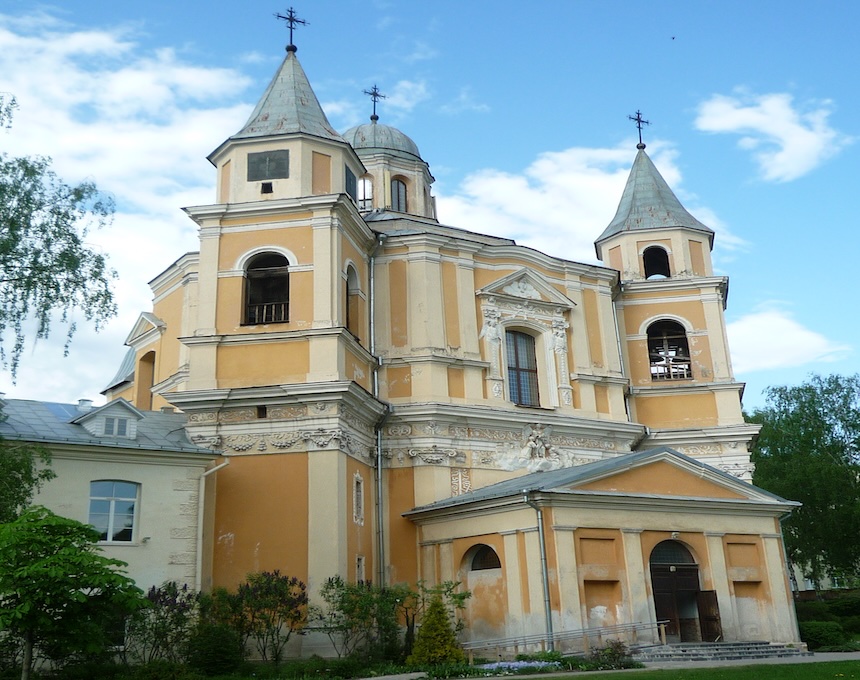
[{"x": 375, "y": 136}]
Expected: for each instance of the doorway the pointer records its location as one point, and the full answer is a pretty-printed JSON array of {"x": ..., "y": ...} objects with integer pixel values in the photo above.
[{"x": 692, "y": 613}]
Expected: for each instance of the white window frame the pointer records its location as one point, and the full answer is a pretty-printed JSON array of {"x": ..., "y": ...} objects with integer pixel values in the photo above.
[
  {"x": 358, "y": 499},
  {"x": 112, "y": 499}
]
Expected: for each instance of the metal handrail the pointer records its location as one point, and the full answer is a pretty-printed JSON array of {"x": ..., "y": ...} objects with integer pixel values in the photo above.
[{"x": 585, "y": 634}]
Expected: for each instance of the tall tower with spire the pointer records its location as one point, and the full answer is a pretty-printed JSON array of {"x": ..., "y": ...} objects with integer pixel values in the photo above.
[{"x": 670, "y": 309}]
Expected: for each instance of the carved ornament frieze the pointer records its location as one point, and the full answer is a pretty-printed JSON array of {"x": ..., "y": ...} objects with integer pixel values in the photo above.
[{"x": 283, "y": 441}]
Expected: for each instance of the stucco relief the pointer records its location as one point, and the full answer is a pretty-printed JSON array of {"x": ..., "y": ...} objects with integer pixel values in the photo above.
[
  {"x": 461, "y": 481},
  {"x": 237, "y": 414},
  {"x": 281, "y": 441},
  {"x": 207, "y": 441},
  {"x": 510, "y": 458},
  {"x": 699, "y": 450},
  {"x": 202, "y": 416},
  {"x": 436, "y": 455},
  {"x": 739, "y": 470},
  {"x": 522, "y": 289},
  {"x": 399, "y": 430}
]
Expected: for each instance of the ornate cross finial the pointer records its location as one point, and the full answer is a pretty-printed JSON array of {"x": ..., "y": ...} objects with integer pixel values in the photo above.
[
  {"x": 375, "y": 95},
  {"x": 640, "y": 121},
  {"x": 292, "y": 22}
]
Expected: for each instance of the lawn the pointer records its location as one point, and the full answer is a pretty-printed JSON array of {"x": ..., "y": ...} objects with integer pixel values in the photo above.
[{"x": 795, "y": 671}]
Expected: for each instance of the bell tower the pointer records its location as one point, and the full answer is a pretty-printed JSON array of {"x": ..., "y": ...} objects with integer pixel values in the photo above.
[{"x": 670, "y": 308}]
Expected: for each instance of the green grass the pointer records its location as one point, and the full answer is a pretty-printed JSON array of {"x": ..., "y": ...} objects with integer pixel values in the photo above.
[{"x": 830, "y": 670}]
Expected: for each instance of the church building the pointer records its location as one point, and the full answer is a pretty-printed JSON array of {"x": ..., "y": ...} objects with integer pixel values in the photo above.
[{"x": 391, "y": 398}]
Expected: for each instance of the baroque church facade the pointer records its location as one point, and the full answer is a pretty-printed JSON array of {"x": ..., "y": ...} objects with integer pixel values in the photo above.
[{"x": 394, "y": 399}]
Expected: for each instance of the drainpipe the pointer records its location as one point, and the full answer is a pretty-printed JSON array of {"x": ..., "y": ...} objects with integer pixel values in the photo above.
[
  {"x": 543, "y": 568},
  {"x": 198, "y": 567},
  {"x": 380, "y": 514}
]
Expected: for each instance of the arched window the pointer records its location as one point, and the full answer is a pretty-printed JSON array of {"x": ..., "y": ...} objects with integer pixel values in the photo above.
[
  {"x": 398, "y": 195},
  {"x": 112, "y": 509},
  {"x": 485, "y": 558},
  {"x": 522, "y": 368},
  {"x": 267, "y": 289},
  {"x": 656, "y": 261},
  {"x": 365, "y": 193},
  {"x": 671, "y": 552},
  {"x": 353, "y": 300},
  {"x": 668, "y": 351}
]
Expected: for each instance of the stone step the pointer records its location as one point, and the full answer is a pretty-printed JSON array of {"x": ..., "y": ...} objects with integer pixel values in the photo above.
[{"x": 717, "y": 651}]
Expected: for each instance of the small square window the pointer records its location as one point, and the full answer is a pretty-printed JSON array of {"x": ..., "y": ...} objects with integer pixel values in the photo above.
[
  {"x": 266, "y": 188},
  {"x": 116, "y": 426}
]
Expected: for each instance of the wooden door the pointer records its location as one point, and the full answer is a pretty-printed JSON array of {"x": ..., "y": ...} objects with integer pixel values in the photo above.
[{"x": 709, "y": 615}]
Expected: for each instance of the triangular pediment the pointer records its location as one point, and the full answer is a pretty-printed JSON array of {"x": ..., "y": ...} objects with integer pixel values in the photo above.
[
  {"x": 146, "y": 324},
  {"x": 526, "y": 284},
  {"x": 664, "y": 472}
]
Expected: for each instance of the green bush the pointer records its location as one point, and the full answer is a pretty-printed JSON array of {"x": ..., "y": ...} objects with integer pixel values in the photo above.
[
  {"x": 435, "y": 642},
  {"x": 851, "y": 624},
  {"x": 814, "y": 611},
  {"x": 844, "y": 606},
  {"x": 215, "y": 649},
  {"x": 817, "y": 634}
]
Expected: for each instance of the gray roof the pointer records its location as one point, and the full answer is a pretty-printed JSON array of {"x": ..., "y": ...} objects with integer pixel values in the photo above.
[
  {"x": 648, "y": 203},
  {"x": 552, "y": 480},
  {"x": 288, "y": 106},
  {"x": 51, "y": 423},
  {"x": 373, "y": 136},
  {"x": 125, "y": 372}
]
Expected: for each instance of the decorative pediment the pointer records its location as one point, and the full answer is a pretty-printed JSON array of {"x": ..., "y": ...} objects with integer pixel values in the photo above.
[
  {"x": 665, "y": 472},
  {"x": 145, "y": 329},
  {"x": 527, "y": 286}
]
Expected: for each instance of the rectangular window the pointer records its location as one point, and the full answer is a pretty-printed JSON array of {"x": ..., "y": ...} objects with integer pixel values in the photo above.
[
  {"x": 268, "y": 165},
  {"x": 522, "y": 369},
  {"x": 360, "y": 576},
  {"x": 116, "y": 426},
  {"x": 113, "y": 505},
  {"x": 351, "y": 184}
]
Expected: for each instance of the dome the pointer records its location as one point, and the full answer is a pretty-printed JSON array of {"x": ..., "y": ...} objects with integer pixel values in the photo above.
[{"x": 375, "y": 136}]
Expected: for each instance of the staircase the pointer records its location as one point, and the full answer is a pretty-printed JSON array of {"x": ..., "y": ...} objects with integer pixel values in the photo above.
[{"x": 717, "y": 651}]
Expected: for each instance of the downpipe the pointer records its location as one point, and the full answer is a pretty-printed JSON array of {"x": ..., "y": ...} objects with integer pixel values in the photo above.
[{"x": 550, "y": 643}]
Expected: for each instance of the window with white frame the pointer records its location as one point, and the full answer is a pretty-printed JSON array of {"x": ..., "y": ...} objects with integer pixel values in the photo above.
[
  {"x": 398, "y": 195},
  {"x": 668, "y": 351},
  {"x": 365, "y": 193},
  {"x": 113, "y": 508},
  {"x": 116, "y": 426},
  {"x": 358, "y": 499},
  {"x": 522, "y": 368},
  {"x": 359, "y": 569}
]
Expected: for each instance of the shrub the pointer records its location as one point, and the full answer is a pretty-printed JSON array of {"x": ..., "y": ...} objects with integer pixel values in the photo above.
[
  {"x": 817, "y": 634},
  {"x": 614, "y": 655},
  {"x": 215, "y": 650},
  {"x": 851, "y": 624},
  {"x": 844, "y": 606},
  {"x": 163, "y": 670},
  {"x": 814, "y": 611},
  {"x": 161, "y": 629},
  {"x": 435, "y": 642}
]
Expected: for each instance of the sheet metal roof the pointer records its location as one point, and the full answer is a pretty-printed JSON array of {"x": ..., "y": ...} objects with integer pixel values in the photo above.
[
  {"x": 648, "y": 203},
  {"x": 51, "y": 423},
  {"x": 288, "y": 105}
]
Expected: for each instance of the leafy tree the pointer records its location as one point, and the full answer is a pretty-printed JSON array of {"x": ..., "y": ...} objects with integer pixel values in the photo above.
[
  {"x": 809, "y": 451},
  {"x": 57, "y": 591},
  {"x": 273, "y": 607},
  {"x": 435, "y": 642},
  {"x": 23, "y": 470},
  {"x": 162, "y": 628},
  {"x": 46, "y": 266}
]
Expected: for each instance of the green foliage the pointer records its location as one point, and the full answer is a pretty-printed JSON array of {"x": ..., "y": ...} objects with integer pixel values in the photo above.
[
  {"x": 809, "y": 451},
  {"x": 435, "y": 642},
  {"x": 161, "y": 669},
  {"x": 24, "y": 468},
  {"x": 815, "y": 610},
  {"x": 361, "y": 617},
  {"x": 162, "y": 627},
  {"x": 46, "y": 266},
  {"x": 614, "y": 656},
  {"x": 270, "y": 608},
  {"x": 215, "y": 650},
  {"x": 844, "y": 606},
  {"x": 818, "y": 634},
  {"x": 57, "y": 591}
]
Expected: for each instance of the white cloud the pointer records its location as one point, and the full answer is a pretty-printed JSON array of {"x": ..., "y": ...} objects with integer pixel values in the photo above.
[
  {"x": 140, "y": 123},
  {"x": 785, "y": 140},
  {"x": 464, "y": 101},
  {"x": 789, "y": 344},
  {"x": 562, "y": 202},
  {"x": 406, "y": 94}
]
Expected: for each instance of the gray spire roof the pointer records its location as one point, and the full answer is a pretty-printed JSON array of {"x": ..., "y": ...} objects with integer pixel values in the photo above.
[
  {"x": 288, "y": 106},
  {"x": 648, "y": 203}
]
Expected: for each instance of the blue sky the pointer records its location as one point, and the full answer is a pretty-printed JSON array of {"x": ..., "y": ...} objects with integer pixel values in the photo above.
[{"x": 521, "y": 111}]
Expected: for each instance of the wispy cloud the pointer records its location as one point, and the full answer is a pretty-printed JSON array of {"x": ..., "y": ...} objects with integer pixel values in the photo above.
[
  {"x": 406, "y": 94},
  {"x": 465, "y": 101},
  {"x": 786, "y": 140},
  {"x": 562, "y": 201},
  {"x": 789, "y": 344}
]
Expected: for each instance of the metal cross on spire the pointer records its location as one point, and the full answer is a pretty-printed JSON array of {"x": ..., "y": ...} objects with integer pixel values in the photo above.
[
  {"x": 292, "y": 21},
  {"x": 640, "y": 121},
  {"x": 375, "y": 95}
]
